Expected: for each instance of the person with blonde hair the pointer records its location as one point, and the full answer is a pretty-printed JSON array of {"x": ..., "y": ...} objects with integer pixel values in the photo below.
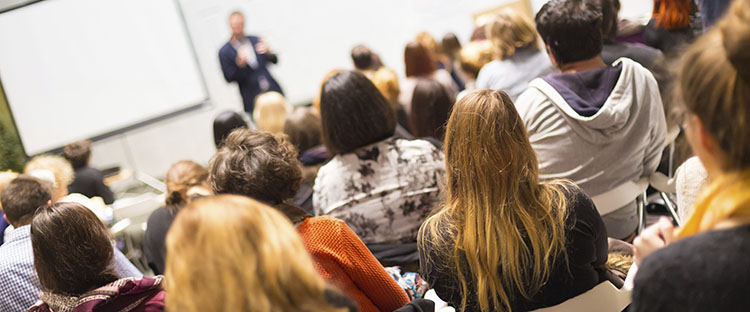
[
  {"x": 185, "y": 180},
  {"x": 60, "y": 169},
  {"x": 257, "y": 261},
  {"x": 702, "y": 266},
  {"x": 518, "y": 58},
  {"x": 473, "y": 57},
  {"x": 503, "y": 240},
  {"x": 386, "y": 80},
  {"x": 270, "y": 112}
]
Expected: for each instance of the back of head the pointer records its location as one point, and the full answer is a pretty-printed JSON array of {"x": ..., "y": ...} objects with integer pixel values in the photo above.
[
  {"x": 610, "y": 10},
  {"x": 78, "y": 153},
  {"x": 474, "y": 56},
  {"x": 22, "y": 197},
  {"x": 418, "y": 60},
  {"x": 479, "y": 33},
  {"x": 430, "y": 108},
  {"x": 353, "y": 113},
  {"x": 303, "y": 128},
  {"x": 509, "y": 31},
  {"x": 428, "y": 41},
  {"x": 386, "y": 80},
  {"x": 495, "y": 205},
  {"x": 571, "y": 29},
  {"x": 270, "y": 111},
  {"x": 181, "y": 178},
  {"x": 362, "y": 57},
  {"x": 72, "y": 249},
  {"x": 450, "y": 44},
  {"x": 60, "y": 169},
  {"x": 5, "y": 178},
  {"x": 714, "y": 84},
  {"x": 672, "y": 14},
  {"x": 257, "y": 164},
  {"x": 224, "y": 124},
  {"x": 257, "y": 260}
]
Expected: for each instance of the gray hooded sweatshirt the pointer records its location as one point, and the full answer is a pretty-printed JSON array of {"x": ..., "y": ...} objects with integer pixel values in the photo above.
[{"x": 599, "y": 128}]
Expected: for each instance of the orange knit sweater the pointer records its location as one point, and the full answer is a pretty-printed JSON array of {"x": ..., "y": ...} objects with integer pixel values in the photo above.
[{"x": 346, "y": 263}]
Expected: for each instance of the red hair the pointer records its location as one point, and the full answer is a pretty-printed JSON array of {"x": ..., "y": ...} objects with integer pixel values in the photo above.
[{"x": 672, "y": 14}]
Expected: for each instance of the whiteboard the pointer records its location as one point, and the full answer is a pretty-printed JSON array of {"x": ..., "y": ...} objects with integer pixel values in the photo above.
[{"x": 74, "y": 69}]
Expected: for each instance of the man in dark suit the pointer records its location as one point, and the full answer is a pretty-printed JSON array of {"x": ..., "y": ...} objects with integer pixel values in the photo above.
[{"x": 244, "y": 60}]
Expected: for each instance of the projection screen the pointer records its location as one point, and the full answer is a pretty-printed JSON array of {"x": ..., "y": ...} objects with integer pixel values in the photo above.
[{"x": 74, "y": 69}]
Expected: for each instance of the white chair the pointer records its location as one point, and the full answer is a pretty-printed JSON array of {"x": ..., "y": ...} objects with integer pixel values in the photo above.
[
  {"x": 622, "y": 195},
  {"x": 604, "y": 297}
]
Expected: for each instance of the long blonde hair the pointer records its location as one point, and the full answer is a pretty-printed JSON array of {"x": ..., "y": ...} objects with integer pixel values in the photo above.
[
  {"x": 497, "y": 219},
  {"x": 510, "y": 31},
  {"x": 232, "y": 253}
]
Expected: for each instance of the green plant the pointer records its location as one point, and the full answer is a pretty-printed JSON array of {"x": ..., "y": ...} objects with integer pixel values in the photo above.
[{"x": 12, "y": 156}]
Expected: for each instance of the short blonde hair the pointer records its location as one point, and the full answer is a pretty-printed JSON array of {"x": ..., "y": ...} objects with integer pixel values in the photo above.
[
  {"x": 232, "y": 253},
  {"x": 474, "y": 56},
  {"x": 59, "y": 166},
  {"x": 270, "y": 112},
  {"x": 509, "y": 31},
  {"x": 386, "y": 80}
]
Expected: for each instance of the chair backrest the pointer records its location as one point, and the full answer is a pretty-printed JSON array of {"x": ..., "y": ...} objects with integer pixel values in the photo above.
[
  {"x": 619, "y": 196},
  {"x": 604, "y": 297}
]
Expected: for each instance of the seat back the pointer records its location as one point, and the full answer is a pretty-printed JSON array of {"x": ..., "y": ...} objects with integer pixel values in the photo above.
[
  {"x": 619, "y": 196},
  {"x": 604, "y": 297}
]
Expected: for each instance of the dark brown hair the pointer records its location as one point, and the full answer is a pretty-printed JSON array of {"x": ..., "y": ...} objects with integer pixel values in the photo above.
[
  {"x": 22, "y": 197},
  {"x": 430, "y": 108},
  {"x": 303, "y": 128},
  {"x": 78, "y": 153},
  {"x": 418, "y": 60},
  {"x": 451, "y": 45},
  {"x": 182, "y": 176},
  {"x": 610, "y": 10},
  {"x": 354, "y": 113},
  {"x": 362, "y": 57},
  {"x": 257, "y": 164},
  {"x": 224, "y": 124},
  {"x": 72, "y": 249},
  {"x": 571, "y": 29}
]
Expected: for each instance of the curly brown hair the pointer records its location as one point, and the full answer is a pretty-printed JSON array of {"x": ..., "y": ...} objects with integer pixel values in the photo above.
[{"x": 257, "y": 164}]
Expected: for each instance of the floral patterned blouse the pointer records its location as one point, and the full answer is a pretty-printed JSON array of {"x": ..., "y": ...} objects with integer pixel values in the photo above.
[{"x": 383, "y": 191}]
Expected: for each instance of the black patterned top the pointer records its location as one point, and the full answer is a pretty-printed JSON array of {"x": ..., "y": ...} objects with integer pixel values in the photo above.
[{"x": 383, "y": 191}]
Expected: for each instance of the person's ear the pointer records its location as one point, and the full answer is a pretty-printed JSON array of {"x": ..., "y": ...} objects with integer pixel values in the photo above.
[
  {"x": 551, "y": 57},
  {"x": 5, "y": 217}
]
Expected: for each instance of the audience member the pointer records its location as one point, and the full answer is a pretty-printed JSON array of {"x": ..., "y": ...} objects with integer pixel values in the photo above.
[
  {"x": 703, "y": 265},
  {"x": 669, "y": 28},
  {"x": 185, "y": 180},
  {"x": 264, "y": 166},
  {"x": 601, "y": 126},
  {"x": 420, "y": 64},
  {"x": 252, "y": 260},
  {"x": 386, "y": 80},
  {"x": 479, "y": 33},
  {"x": 711, "y": 11},
  {"x": 430, "y": 109},
  {"x": 5, "y": 178},
  {"x": 87, "y": 180},
  {"x": 270, "y": 112},
  {"x": 518, "y": 58},
  {"x": 611, "y": 50},
  {"x": 224, "y": 124},
  {"x": 383, "y": 187},
  {"x": 474, "y": 56},
  {"x": 55, "y": 167},
  {"x": 505, "y": 241},
  {"x": 72, "y": 256},
  {"x": 20, "y": 285},
  {"x": 304, "y": 130},
  {"x": 450, "y": 49},
  {"x": 363, "y": 60}
]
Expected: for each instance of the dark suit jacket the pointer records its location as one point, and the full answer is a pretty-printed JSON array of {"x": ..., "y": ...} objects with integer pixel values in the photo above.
[{"x": 247, "y": 77}]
